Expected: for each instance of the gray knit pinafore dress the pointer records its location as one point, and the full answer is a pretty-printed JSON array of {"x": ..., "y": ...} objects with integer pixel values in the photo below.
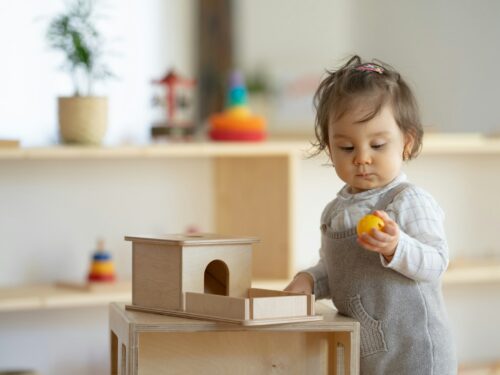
[{"x": 404, "y": 325}]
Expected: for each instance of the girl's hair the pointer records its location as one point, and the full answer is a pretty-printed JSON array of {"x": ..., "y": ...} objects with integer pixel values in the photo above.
[{"x": 375, "y": 83}]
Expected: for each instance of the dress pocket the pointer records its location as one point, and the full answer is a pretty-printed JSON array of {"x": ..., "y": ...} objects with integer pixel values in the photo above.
[{"x": 372, "y": 336}]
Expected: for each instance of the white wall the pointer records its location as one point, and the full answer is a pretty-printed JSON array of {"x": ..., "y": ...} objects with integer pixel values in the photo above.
[
  {"x": 292, "y": 37},
  {"x": 56, "y": 342},
  {"x": 446, "y": 49},
  {"x": 145, "y": 39},
  {"x": 54, "y": 211}
]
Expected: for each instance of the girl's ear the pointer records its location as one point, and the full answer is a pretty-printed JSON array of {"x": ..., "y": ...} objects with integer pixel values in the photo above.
[
  {"x": 408, "y": 147},
  {"x": 329, "y": 153}
]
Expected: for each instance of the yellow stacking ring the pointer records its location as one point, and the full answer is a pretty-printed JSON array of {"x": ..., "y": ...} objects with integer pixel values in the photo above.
[{"x": 102, "y": 268}]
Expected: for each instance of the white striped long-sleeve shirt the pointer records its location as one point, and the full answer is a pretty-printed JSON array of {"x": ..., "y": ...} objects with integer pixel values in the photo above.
[{"x": 422, "y": 251}]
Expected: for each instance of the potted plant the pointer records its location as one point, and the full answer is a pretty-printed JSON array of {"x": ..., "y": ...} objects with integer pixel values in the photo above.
[{"x": 82, "y": 116}]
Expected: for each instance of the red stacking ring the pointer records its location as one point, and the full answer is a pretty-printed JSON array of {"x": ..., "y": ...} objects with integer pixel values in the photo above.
[{"x": 235, "y": 135}]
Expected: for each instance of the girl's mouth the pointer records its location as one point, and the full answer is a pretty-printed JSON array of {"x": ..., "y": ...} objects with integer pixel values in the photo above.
[{"x": 364, "y": 175}]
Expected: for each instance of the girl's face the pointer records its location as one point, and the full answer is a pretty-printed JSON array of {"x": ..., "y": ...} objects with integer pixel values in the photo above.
[{"x": 367, "y": 155}]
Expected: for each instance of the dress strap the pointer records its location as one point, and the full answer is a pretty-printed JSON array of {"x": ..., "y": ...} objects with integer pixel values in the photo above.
[{"x": 388, "y": 197}]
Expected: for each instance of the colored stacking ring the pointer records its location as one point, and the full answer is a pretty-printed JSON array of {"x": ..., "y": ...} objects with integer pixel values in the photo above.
[
  {"x": 101, "y": 277},
  {"x": 234, "y": 135},
  {"x": 102, "y": 267},
  {"x": 238, "y": 96},
  {"x": 101, "y": 256},
  {"x": 253, "y": 124}
]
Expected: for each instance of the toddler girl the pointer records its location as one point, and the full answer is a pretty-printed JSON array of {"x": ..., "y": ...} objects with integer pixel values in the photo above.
[{"x": 389, "y": 280}]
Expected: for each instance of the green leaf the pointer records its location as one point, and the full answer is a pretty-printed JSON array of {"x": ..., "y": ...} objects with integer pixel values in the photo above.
[{"x": 74, "y": 34}]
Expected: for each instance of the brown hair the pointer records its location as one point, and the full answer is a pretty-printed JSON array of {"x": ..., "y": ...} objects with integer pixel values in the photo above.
[{"x": 376, "y": 82}]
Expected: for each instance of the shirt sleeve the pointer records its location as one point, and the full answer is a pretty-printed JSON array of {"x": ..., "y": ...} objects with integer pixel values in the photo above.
[
  {"x": 320, "y": 276},
  {"x": 319, "y": 271},
  {"x": 422, "y": 251}
]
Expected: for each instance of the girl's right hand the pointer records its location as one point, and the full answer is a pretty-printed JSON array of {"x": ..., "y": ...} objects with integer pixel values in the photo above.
[{"x": 301, "y": 283}]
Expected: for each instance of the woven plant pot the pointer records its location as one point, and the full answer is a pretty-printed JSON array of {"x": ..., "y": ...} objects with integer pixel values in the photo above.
[{"x": 83, "y": 119}]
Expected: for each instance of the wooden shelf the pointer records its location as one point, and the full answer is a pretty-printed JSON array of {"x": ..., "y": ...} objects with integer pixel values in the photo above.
[
  {"x": 460, "y": 272},
  {"x": 460, "y": 143},
  {"x": 434, "y": 144},
  {"x": 492, "y": 368},
  {"x": 35, "y": 297},
  {"x": 50, "y": 296},
  {"x": 275, "y": 162},
  {"x": 468, "y": 271},
  {"x": 235, "y": 165},
  {"x": 165, "y": 150}
]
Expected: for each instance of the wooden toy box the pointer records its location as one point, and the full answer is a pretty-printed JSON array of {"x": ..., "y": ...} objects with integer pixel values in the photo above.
[
  {"x": 207, "y": 276},
  {"x": 261, "y": 306},
  {"x": 147, "y": 344}
]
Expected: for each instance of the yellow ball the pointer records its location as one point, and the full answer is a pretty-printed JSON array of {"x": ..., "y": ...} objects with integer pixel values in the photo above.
[{"x": 368, "y": 222}]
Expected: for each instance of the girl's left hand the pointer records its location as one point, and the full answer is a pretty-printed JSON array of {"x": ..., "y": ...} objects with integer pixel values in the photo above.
[{"x": 383, "y": 242}]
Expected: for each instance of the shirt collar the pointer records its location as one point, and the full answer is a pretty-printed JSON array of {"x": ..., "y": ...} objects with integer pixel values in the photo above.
[{"x": 344, "y": 193}]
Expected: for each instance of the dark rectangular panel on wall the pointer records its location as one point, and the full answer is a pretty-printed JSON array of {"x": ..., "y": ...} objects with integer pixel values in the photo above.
[{"x": 215, "y": 54}]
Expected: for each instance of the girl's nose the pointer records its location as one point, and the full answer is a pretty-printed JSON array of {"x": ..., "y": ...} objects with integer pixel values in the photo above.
[{"x": 362, "y": 158}]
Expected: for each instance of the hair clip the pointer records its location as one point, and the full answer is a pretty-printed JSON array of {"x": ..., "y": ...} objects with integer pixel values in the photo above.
[{"x": 370, "y": 68}]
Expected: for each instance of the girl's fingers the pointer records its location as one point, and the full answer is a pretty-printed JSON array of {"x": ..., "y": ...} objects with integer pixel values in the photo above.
[
  {"x": 390, "y": 226},
  {"x": 380, "y": 236},
  {"x": 391, "y": 229},
  {"x": 367, "y": 245},
  {"x": 383, "y": 215},
  {"x": 376, "y": 242}
]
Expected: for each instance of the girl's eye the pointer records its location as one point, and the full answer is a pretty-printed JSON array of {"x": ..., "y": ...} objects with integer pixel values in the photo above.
[
  {"x": 378, "y": 146},
  {"x": 346, "y": 148}
]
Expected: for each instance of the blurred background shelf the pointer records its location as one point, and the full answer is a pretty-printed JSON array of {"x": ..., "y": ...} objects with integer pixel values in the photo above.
[
  {"x": 299, "y": 144},
  {"x": 261, "y": 172},
  {"x": 460, "y": 143},
  {"x": 472, "y": 271},
  {"x": 162, "y": 150},
  {"x": 53, "y": 296}
]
